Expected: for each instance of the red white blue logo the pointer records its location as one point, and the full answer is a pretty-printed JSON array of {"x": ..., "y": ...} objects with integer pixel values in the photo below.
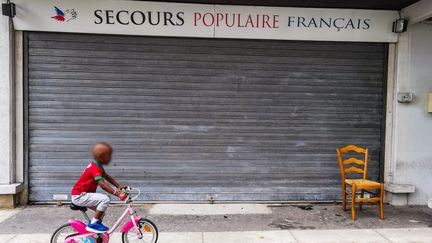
[{"x": 62, "y": 16}]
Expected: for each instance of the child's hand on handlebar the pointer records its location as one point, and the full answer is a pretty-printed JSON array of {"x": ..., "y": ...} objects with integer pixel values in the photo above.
[
  {"x": 122, "y": 195},
  {"x": 121, "y": 187}
]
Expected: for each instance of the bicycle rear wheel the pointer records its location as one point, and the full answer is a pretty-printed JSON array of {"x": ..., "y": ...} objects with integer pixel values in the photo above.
[
  {"x": 62, "y": 233},
  {"x": 149, "y": 232}
]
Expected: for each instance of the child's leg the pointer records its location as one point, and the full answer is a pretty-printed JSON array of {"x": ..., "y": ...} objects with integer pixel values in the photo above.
[
  {"x": 94, "y": 200},
  {"x": 103, "y": 202},
  {"x": 97, "y": 201}
]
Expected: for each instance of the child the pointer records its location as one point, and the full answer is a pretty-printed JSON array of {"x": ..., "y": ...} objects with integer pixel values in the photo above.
[{"x": 84, "y": 192}]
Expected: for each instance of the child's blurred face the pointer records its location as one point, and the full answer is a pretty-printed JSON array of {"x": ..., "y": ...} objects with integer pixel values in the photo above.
[
  {"x": 102, "y": 153},
  {"x": 106, "y": 157}
]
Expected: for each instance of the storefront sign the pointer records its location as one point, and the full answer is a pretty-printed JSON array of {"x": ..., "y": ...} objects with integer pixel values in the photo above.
[{"x": 208, "y": 21}]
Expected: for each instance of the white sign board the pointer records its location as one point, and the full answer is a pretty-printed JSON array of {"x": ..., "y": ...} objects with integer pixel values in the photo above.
[{"x": 208, "y": 21}]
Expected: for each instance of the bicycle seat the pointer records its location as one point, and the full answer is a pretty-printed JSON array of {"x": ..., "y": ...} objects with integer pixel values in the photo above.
[{"x": 75, "y": 207}]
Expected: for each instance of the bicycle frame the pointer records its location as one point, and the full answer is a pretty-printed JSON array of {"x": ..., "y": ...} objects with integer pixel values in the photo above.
[
  {"x": 79, "y": 226},
  {"x": 128, "y": 225}
]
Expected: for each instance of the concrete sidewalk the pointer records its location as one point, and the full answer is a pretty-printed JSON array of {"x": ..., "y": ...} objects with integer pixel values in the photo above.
[
  {"x": 238, "y": 223},
  {"x": 417, "y": 235}
]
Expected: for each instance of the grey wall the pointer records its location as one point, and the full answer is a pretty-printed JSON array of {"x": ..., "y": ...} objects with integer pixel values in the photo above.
[
  {"x": 6, "y": 102},
  {"x": 412, "y": 141}
]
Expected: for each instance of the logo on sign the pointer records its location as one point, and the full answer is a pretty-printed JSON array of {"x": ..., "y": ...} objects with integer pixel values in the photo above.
[{"x": 67, "y": 15}]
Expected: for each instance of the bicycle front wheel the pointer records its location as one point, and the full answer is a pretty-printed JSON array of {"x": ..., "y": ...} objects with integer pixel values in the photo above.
[
  {"x": 62, "y": 233},
  {"x": 148, "y": 230}
]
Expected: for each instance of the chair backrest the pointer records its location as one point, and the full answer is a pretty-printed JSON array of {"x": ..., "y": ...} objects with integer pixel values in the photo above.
[{"x": 347, "y": 165}]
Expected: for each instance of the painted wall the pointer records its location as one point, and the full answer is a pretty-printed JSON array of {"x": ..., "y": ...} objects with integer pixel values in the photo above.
[
  {"x": 11, "y": 116},
  {"x": 411, "y": 156},
  {"x": 6, "y": 106},
  {"x": 412, "y": 140}
]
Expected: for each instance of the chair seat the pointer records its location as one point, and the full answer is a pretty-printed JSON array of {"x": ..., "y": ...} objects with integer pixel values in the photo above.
[{"x": 363, "y": 184}]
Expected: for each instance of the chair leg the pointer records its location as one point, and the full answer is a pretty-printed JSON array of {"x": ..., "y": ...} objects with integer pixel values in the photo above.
[
  {"x": 353, "y": 198},
  {"x": 344, "y": 198},
  {"x": 361, "y": 202},
  {"x": 381, "y": 203}
]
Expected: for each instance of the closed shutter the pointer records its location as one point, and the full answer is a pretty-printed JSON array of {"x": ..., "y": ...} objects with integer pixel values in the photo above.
[{"x": 202, "y": 119}]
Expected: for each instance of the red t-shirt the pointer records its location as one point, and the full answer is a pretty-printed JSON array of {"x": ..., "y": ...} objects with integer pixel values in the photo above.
[{"x": 88, "y": 180}]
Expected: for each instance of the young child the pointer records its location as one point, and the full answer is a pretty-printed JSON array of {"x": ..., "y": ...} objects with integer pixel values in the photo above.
[{"x": 84, "y": 192}]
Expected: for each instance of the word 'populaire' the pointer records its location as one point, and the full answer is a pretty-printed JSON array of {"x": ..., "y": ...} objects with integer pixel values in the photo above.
[{"x": 236, "y": 20}]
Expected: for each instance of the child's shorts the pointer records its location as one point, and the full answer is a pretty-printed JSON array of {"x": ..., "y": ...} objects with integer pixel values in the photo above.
[{"x": 98, "y": 201}]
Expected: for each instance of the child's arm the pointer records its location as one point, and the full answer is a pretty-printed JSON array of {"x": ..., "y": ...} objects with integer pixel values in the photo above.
[
  {"x": 102, "y": 183},
  {"x": 113, "y": 182}
]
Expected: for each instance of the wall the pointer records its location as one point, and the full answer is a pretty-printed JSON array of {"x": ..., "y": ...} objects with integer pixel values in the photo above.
[
  {"x": 11, "y": 117},
  {"x": 6, "y": 105},
  {"x": 410, "y": 157},
  {"x": 412, "y": 138}
]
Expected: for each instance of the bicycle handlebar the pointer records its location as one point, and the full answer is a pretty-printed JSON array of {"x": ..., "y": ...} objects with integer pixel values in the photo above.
[{"x": 129, "y": 190}]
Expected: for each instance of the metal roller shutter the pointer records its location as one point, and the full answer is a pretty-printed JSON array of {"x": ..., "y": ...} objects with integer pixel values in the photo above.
[{"x": 202, "y": 119}]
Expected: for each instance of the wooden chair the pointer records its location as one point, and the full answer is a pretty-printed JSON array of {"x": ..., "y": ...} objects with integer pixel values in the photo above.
[{"x": 358, "y": 184}]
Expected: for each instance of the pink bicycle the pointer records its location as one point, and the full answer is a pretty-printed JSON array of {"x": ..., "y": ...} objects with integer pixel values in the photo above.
[{"x": 137, "y": 229}]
